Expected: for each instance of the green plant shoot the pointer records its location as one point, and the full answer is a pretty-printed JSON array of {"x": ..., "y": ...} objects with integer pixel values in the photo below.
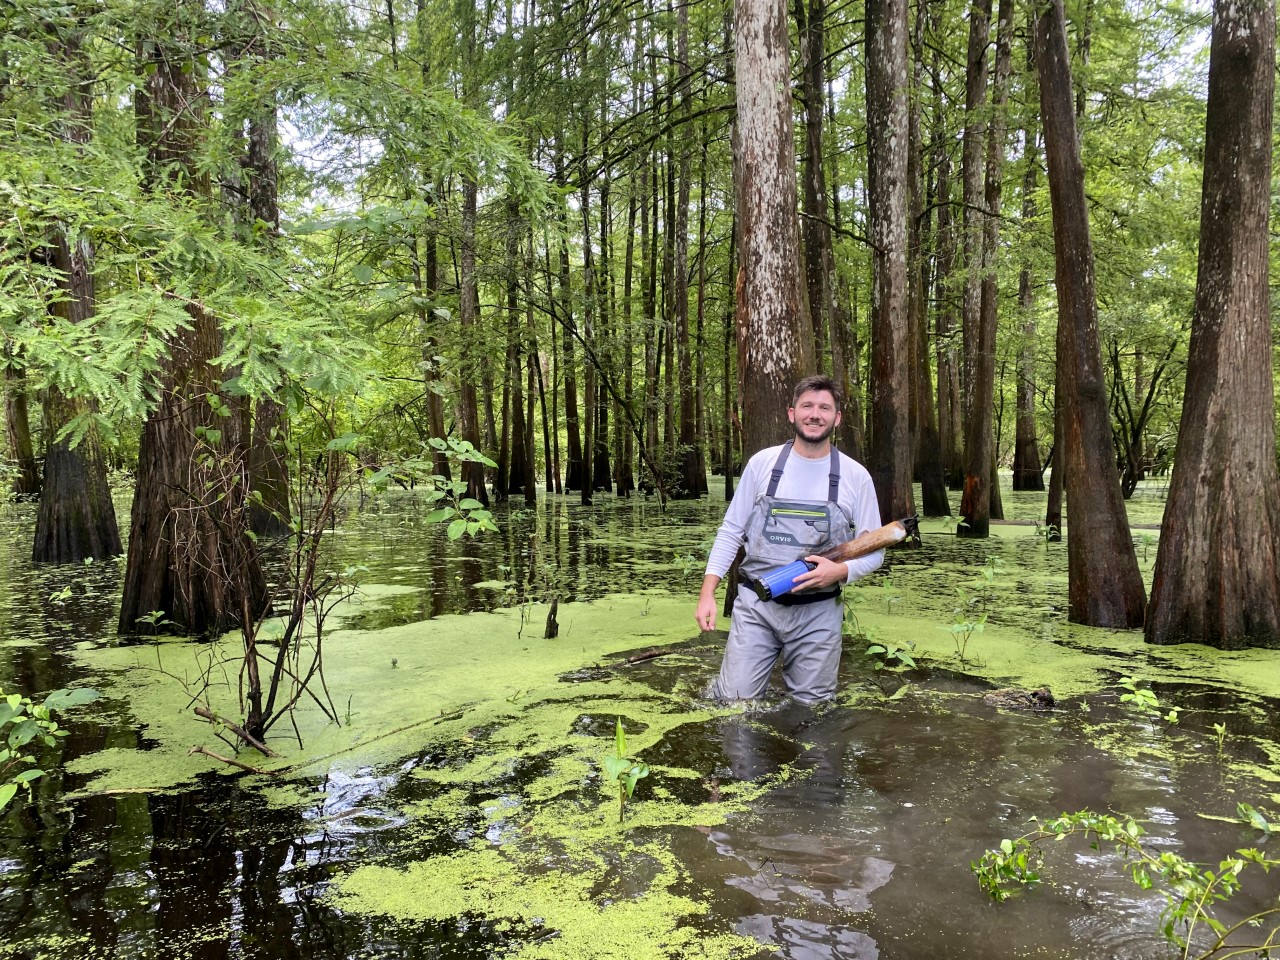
[{"x": 626, "y": 773}]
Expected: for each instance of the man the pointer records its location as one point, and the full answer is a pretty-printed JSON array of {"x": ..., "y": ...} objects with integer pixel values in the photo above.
[{"x": 794, "y": 500}]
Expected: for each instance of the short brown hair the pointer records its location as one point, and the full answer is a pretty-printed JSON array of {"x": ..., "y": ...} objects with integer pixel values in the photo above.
[{"x": 817, "y": 382}]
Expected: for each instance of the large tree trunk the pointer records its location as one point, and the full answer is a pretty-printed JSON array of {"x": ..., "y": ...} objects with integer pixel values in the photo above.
[
  {"x": 76, "y": 519},
  {"x": 189, "y": 553},
  {"x": 890, "y": 448},
  {"x": 981, "y": 484},
  {"x": 774, "y": 346},
  {"x": 1217, "y": 576},
  {"x": 1105, "y": 587}
]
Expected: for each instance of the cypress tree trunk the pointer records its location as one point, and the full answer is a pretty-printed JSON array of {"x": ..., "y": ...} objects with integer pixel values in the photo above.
[
  {"x": 981, "y": 484},
  {"x": 189, "y": 555},
  {"x": 928, "y": 446},
  {"x": 1028, "y": 474},
  {"x": 890, "y": 450},
  {"x": 971, "y": 216},
  {"x": 774, "y": 350},
  {"x": 1105, "y": 587},
  {"x": 1217, "y": 577},
  {"x": 17, "y": 422},
  {"x": 811, "y": 29},
  {"x": 76, "y": 518}
]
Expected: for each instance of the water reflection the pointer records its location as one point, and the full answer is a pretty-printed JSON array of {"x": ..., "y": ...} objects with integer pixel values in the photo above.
[{"x": 861, "y": 850}]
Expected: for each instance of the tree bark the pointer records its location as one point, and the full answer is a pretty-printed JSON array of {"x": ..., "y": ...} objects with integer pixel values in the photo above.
[
  {"x": 774, "y": 346},
  {"x": 889, "y": 460},
  {"x": 981, "y": 484},
  {"x": 818, "y": 257},
  {"x": 76, "y": 519},
  {"x": 1105, "y": 587},
  {"x": 928, "y": 447},
  {"x": 17, "y": 422},
  {"x": 971, "y": 214},
  {"x": 689, "y": 482},
  {"x": 189, "y": 555},
  {"x": 1217, "y": 576},
  {"x": 1028, "y": 474}
]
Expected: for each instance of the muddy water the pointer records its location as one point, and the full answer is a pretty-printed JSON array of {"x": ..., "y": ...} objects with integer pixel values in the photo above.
[{"x": 857, "y": 845}]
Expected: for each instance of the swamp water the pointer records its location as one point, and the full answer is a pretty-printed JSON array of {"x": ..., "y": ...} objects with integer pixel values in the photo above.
[{"x": 458, "y": 810}]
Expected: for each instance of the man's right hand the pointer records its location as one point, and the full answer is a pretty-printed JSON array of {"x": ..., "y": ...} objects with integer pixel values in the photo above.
[{"x": 705, "y": 615}]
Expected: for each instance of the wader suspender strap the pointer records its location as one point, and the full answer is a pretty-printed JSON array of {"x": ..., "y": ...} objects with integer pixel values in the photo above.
[{"x": 833, "y": 476}]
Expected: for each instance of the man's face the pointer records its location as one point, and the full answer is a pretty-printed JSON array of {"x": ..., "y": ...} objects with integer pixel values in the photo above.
[{"x": 814, "y": 417}]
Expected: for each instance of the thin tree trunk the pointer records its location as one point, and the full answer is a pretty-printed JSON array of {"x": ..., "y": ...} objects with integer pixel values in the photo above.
[
  {"x": 971, "y": 169},
  {"x": 689, "y": 482},
  {"x": 17, "y": 421},
  {"x": 811, "y": 29},
  {"x": 928, "y": 446},
  {"x": 981, "y": 483},
  {"x": 1028, "y": 474}
]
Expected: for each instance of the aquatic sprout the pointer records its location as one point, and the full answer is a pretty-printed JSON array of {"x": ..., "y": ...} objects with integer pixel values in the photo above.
[
  {"x": 1143, "y": 701},
  {"x": 1193, "y": 893},
  {"x": 626, "y": 773}
]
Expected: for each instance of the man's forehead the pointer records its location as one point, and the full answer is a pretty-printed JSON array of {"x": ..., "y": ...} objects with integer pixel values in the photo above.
[{"x": 816, "y": 396}]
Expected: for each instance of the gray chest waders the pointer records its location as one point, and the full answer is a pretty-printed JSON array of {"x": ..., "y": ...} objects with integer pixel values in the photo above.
[{"x": 781, "y": 532}]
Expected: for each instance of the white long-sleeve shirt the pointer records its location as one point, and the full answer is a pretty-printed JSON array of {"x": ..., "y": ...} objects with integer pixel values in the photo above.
[{"x": 802, "y": 479}]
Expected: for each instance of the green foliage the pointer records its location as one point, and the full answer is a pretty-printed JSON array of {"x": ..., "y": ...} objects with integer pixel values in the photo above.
[
  {"x": 623, "y": 771},
  {"x": 23, "y": 724},
  {"x": 1193, "y": 892},
  {"x": 1144, "y": 702}
]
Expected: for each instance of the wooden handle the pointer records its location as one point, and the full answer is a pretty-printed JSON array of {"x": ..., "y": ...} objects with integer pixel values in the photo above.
[{"x": 872, "y": 540}]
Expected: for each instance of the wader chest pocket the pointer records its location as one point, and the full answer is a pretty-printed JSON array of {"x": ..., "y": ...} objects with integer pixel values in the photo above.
[{"x": 796, "y": 526}]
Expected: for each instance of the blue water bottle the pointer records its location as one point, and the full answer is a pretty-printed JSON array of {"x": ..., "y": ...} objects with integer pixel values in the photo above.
[{"x": 777, "y": 582}]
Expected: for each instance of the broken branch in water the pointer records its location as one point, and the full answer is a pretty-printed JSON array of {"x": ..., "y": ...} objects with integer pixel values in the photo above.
[
  {"x": 229, "y": 760},
  {"x": 237, "y": 730}
]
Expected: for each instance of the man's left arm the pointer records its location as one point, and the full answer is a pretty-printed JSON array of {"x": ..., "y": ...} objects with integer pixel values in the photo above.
[{"x": 866, "y": 516}]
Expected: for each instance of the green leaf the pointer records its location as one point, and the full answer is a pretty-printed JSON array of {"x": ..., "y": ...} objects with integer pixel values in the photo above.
[
  {"x": 7, "y": 792},
  {"x": 615, "y": 767},
  {"x": 457, "y": 528},
  {"x": 620, "y": 737}
]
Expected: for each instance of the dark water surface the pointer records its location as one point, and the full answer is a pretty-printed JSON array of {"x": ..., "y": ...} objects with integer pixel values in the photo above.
[{"x": 864, "y": 854}]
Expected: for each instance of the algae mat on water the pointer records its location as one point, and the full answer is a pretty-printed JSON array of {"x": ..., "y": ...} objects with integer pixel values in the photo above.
[{"x": 504, "y": 730}]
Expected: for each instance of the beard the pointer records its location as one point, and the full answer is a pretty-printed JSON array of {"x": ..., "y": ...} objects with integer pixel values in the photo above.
[{"x": 806, "y": 433}]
